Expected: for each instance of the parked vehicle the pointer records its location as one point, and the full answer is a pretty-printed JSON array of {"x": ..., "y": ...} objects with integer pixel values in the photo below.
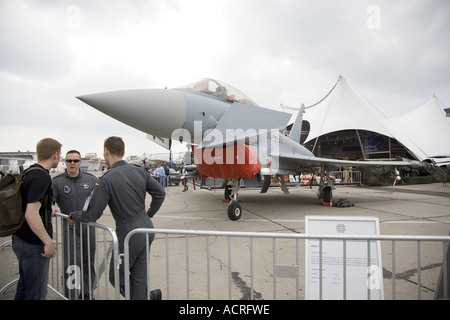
[{"x": 174, "y": 178}]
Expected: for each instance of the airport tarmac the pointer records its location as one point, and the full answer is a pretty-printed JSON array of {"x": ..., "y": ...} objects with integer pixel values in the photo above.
[{"x": 406, "y": 210}]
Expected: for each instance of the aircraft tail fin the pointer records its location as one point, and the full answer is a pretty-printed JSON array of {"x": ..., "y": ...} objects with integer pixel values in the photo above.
[{"x": 296, "y": 130}]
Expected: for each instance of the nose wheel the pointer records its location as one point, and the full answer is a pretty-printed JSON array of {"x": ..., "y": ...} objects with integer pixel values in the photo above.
[
  {"x": 234, "y": 210},
  {"x": 231, "y": 193}
]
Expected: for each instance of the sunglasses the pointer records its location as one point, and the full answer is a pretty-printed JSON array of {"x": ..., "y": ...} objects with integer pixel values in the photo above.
[{"x": 72, "y": 161}]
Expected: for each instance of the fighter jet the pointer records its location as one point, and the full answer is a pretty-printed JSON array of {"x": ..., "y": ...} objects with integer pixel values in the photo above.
[{"x": 231, "y": 136}]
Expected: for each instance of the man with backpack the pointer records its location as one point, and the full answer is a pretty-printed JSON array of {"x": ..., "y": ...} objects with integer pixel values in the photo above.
[{"x": 32, "y": 243}]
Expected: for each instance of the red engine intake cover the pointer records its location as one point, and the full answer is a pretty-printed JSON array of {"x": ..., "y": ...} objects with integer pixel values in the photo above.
[{"x": 237, "y": 161}]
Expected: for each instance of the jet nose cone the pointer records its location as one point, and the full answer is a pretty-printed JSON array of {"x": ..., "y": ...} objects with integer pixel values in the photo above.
[{"x": 154, "y": 111}]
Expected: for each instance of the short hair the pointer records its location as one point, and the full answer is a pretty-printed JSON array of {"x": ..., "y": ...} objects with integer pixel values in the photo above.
[
  {"x": 73, "y": 151},
  {"x": 46, "y": 148},
  {"x": 115, "y": 146}
]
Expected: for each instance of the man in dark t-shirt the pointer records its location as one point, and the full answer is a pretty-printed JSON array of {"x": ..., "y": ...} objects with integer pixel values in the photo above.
[
  {"x": 36, "y": 186},
  {"x": 32, "y": 243}
]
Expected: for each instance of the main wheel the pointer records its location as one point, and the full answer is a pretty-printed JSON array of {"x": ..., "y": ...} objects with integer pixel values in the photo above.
[
  {"x": 234, "y": 211},
  {"x": 327, "y": 194}
]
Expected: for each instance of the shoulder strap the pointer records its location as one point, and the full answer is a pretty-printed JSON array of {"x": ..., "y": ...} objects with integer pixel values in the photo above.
[
  {"x": 31, "y": 169},
  {"x": 46, "y": 195}
]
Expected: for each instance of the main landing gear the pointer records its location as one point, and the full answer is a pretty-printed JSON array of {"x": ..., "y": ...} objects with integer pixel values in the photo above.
[{"x": 325, "y": 192}]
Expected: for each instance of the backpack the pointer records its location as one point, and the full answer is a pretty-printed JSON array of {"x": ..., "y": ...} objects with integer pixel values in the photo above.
[{"x": 11, "y": 214}]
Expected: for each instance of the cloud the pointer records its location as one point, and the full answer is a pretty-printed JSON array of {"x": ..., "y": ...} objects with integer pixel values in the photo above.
[
  {"x": 295, "y": 51},
  {"x": 32, "y": 43},
  {"x": 291, "y": 52}
]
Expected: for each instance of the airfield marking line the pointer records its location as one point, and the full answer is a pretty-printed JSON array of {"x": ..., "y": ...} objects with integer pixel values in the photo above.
[
  {"x": 189, "y": 218},
  {"x": 414, "y": 221}
]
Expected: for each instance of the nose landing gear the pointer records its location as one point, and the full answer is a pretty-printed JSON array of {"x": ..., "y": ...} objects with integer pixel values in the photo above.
[
  {"x": 234, "y": 210},
  {"x": 231, "y": 193}
]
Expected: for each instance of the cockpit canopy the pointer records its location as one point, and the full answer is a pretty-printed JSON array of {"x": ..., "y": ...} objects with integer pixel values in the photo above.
[{"x": 220, "y": 90}]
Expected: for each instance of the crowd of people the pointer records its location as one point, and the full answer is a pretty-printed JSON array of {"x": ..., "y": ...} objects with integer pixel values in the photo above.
[{"x": 162, "y": 173}]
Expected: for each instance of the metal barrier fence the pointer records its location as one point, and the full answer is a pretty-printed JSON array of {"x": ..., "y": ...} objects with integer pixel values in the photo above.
[
  {"x": 80, "y": 268},
  {"x": 192, "y": 264},
  {"x": 346, "y": 177},
  {"x": 217, "y": 269}
]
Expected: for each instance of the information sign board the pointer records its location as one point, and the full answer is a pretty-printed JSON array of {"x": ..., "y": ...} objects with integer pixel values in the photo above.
[{"x": 360, "y": 278}]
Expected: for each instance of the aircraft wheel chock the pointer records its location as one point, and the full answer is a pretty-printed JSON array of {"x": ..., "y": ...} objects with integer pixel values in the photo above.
[{"x": 234, "y": 211}]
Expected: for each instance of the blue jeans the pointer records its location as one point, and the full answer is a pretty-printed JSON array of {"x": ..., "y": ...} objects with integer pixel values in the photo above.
[
  {"x": 162, "y": 181},
  {"x": 33, "y": 270}
]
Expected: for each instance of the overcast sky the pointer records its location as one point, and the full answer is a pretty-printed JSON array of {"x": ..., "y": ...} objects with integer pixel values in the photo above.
[{"x": 394, "y": 53}]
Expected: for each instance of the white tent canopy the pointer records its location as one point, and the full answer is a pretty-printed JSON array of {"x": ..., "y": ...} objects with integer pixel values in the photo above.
[
  {"x": 426, "y": 130},
  {"x": 343, "y": 109}
]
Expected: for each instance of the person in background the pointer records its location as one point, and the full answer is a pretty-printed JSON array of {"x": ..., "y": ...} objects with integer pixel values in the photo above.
[
  {"x": 183, "y": 172},
  {"x": 167, "y": 174},
  {"x": 161, "y": 174}
]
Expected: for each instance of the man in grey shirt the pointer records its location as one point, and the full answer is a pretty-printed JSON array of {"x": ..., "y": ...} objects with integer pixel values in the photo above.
[
  {"x": 70, "y": 191},
  {"x": 123, "y": 188}
]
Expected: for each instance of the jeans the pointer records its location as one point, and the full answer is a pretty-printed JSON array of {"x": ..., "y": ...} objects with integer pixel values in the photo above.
[
  {"x": 33, "y": 270},
  {"x": 162, "y": 181}
]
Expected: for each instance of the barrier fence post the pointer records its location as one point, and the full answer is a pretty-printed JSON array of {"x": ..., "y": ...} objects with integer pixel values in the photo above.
[{"x": 71, "y": 258}]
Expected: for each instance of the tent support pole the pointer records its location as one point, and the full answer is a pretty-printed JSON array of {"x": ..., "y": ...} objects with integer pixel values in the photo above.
[
  {"x": 390, "y": 148},
  {"x": 361, "y": 145},
  {"x": 315, "y": 143}
]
